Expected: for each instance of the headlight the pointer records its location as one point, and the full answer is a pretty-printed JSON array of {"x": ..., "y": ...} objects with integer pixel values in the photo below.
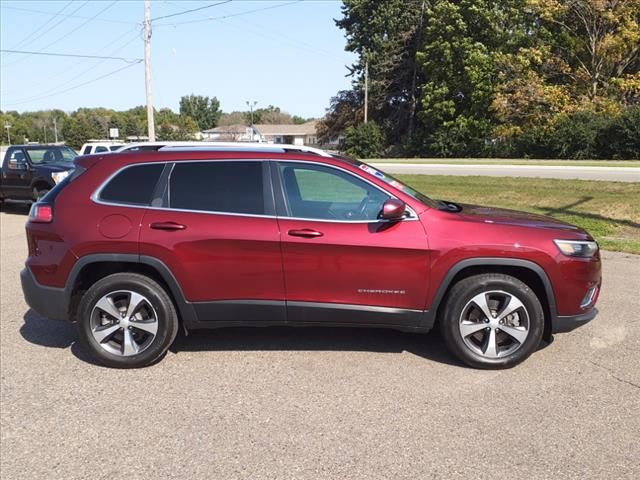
[
  {"x": 577, "y": 248},
  {"x": 59, "y": 176}
]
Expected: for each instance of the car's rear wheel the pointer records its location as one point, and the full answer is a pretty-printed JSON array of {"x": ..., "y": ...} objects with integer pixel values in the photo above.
[
  {"x": 492, "y": 321},
  {"x": 127, "y": 320}
]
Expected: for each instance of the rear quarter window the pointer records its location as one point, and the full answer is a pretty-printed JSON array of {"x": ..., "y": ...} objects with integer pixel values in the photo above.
[{"x": 132, "y": 186}]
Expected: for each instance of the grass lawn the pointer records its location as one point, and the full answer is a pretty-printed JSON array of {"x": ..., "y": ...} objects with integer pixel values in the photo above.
[
  {"x": 610, "y": 211},
  {"x": 510, "y": 161}
]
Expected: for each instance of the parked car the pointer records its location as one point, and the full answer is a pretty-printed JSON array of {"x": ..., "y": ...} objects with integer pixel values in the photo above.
[
  {"x": 100, "y": 147},
  {"x": 134, "y": 247},
  {"x": 30, "y": 171}
]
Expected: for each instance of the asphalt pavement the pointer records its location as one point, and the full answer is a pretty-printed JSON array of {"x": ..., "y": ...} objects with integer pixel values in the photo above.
[
  {"x": 318, "y": 403},
  {"x": 614, "y": 174}
]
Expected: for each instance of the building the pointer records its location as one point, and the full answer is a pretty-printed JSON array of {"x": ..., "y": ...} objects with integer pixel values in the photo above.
[
  {"x": 304, "y": 134},
  {"x": 230, "y": 133}
]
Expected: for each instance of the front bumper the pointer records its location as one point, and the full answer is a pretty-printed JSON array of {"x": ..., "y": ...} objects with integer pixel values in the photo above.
[
  {"x": 566, "y": 324},
  {"x": 49, "y": 302}
]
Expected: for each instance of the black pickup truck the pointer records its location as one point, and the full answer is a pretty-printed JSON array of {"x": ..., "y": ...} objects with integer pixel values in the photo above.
[{"x": 30, "y": 171}]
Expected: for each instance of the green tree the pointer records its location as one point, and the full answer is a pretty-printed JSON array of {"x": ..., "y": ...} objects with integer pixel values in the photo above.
[
  {"x": 270, "y": 115},
  {"x": 204, "y": 110},
  {"x": 364, "y": 140},
  {"x": 462, "y": 42},
  {"x": 386, "y": 35}
]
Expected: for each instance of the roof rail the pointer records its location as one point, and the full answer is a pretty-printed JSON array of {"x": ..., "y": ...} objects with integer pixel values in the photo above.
[{"x": 269, "y": 147}]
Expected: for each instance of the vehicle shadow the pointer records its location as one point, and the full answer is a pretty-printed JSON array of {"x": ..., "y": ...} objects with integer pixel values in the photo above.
[
  {"x": 53, "y": 334},
  {"x": 429, "y": 346},
  {"x": 568, "y": 210},
  {"x": 59, "y": 334},
  {"x": 16, "y": 208}
]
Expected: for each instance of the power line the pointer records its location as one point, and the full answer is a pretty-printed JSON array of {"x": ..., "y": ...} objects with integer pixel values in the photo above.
[
  {"x": 27, "y": 100},
  {"x": 246, "y": 12},
  {"x": 273, "y": 36},
  {"x": 56, "y": 24},
  {"x": 190, "y": 11},
  {"x": 128, "y": 60},
  {"x": 26, "y": 39},
  {"x": 88, "y": 20},
  {"x": 30, "y": 10},
  {"x": 85, "y": 71},
  {"x": 44, "y": 33}
]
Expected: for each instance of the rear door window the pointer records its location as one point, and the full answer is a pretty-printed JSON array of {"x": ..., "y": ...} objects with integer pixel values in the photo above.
[
  {"x": 218, "y": 186},
  {"x": 133, "y": 185}
]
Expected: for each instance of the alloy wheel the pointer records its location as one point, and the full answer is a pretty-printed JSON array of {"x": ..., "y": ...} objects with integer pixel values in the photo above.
[
  {"x": 124, "y": 323},
  {"x": 494, "y": 324}
]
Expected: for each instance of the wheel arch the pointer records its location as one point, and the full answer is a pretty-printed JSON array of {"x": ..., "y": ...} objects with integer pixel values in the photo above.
[
  {"x": 528, "y": 272},
  {"x": 40, "y": 183},
  {"x": 91, "y": 268}
]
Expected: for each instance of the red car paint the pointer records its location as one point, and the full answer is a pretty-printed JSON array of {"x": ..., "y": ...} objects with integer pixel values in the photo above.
[{"x": 241, "y": 257}]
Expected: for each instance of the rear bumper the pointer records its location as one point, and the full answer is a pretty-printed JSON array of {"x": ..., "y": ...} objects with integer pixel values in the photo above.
[
  {"x": 49, "y": 302},
  {"x": 566, "y": 324}
]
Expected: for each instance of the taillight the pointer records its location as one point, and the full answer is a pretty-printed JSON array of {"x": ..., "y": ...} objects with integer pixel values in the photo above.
[{"x": 41, "y": 213}]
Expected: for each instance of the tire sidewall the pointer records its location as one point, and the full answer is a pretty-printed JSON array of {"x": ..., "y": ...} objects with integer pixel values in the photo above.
[
  {"x": 460, "y": 298},
  {"x": 167, "y": 319}
]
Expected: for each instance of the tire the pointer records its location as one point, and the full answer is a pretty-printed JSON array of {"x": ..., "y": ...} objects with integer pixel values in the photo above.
[
  {"x": 38, "y": 194},
  {"x": 502, "y": 341},
  {"x": 122, "y": 338}
]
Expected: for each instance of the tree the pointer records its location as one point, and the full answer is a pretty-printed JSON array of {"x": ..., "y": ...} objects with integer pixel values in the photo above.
[
  {"x": 270, "y": 115},
  {"x": 233, "y": 118},
  {"x": 386, "y": 35},
  {"x": 204, "y": 110},
  {"x": 364, "y": 140},
  {"x": 463, "y": 43},
  {"x": 344, "y": 111},
  {"x": 594, "y": 41}
]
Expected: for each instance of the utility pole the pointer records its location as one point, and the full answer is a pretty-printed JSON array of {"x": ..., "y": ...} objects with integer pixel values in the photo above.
[
  {"x": 147, "y": 69},
  {"x": 55, "y": 129},
  {"x": 8, "y": 127},
  {"x": 366, "y": 91},
  {"x": 251, "y": 106}
]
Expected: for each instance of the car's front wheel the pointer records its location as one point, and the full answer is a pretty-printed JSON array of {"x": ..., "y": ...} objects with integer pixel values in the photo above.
[
  {"x": 127, "y": 320},
  {"x": 492, "y": 321}
]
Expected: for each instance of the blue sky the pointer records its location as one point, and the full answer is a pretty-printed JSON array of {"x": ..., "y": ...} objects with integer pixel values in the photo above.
[{"x": 291, "y": 56}]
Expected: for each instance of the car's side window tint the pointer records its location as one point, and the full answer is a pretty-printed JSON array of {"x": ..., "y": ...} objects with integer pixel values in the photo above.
[
  {"x": 218, "y": 186},
  {"x": 325, "y": 193},
  {"x": 133, "y": 185},
  {"x": 86, "y": 150},
  {"x": 101, "y": 149}
]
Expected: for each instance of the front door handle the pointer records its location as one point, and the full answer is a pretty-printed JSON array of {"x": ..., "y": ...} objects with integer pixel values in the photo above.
[
  {"x": 306, "y": 233},
  {"x": 169, "y": 226}
]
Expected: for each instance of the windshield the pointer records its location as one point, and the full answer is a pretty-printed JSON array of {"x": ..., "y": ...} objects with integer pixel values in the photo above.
[
  {"x": 394, "y": 182},
  {"x": 40, "y": 155}
]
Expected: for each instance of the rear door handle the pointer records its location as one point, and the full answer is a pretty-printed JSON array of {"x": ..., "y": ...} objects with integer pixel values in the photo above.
[
  {"x": 306, "y": 233},
  {"x": 169, "y": 226}
]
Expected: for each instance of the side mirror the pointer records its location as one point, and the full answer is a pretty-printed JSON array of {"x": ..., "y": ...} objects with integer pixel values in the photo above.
[
  {"x": 17, "y": 164},
  {"x": 393, "y": 209}
]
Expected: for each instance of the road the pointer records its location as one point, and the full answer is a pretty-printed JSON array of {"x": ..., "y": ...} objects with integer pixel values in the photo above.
[
  {"x": 318, "y": 403},
  {"x": 615, "y": 174}
]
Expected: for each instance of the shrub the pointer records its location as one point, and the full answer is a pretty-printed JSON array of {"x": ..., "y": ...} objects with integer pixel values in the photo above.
[
  {"x": 364, "y": 140},
  {"x": 620, "y": 139}
]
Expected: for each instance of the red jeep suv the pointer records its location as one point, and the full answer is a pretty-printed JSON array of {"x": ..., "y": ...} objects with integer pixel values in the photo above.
[{"x": 132, "y": 245}]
